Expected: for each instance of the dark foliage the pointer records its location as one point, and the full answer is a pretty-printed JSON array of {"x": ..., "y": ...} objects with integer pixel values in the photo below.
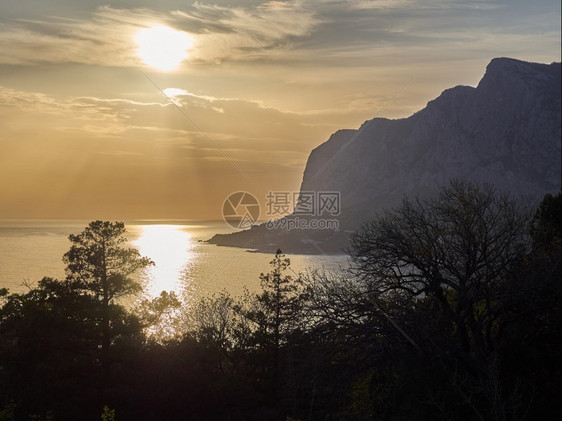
[{"x": 452, "y": 312}]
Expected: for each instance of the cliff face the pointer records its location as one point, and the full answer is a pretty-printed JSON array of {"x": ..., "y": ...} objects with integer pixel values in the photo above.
[{"x": 506, "y": 131}]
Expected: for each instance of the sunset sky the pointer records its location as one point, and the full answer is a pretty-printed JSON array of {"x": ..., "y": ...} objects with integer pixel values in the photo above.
[{"x": 85, "y": 131}]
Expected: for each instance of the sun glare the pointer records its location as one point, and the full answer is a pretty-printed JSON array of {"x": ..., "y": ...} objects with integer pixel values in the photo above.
[
  {"x": 174, "y": 92},
  {"x": 162, "y": 47},
  {"x": 168, "y": 246}
]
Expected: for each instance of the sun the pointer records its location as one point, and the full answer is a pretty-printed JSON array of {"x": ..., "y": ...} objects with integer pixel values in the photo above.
[{"x": 162, "y": 47}]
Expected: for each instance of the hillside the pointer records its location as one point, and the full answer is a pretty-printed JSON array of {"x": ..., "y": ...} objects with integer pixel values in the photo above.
[{"x": 505, "y": 131}]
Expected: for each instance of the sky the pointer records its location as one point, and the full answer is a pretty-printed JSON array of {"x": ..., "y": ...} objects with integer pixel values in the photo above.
[{"x": 100, "y": 120}]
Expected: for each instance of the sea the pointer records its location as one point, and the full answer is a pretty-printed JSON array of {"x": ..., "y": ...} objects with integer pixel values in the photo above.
[{"x": 184, "y": 262}]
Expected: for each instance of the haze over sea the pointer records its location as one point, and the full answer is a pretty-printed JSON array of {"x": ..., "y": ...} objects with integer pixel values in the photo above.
[{"x": 184, "y": 262}]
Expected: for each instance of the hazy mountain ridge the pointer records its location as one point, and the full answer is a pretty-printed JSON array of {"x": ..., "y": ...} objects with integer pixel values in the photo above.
[{"x": 506, "y": 131}]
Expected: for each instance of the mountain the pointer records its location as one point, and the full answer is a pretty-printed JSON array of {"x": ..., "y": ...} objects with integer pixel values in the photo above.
[{"x": 506, "y": 131}]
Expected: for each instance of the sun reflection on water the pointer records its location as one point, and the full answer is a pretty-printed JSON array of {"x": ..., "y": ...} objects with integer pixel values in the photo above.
[{"x": 169, "y": 246}]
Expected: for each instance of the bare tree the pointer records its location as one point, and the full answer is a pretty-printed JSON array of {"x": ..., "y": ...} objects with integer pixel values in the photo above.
[{"x": 456, "y": 248}]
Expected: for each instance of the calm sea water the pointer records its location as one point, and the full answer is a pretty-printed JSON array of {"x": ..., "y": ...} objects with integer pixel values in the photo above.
[{"x": 32, "y": 249}]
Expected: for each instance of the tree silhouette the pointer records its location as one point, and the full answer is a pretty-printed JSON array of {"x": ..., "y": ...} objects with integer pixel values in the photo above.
[
  {"x": 275, "y": 313},
  {"x": 456, "y": 248},
  {"x": 50, "y": 349},
  {"x": 99, "y": 264},
  {"x": 279, "y": 300},
  {"x": 447, "y": 298},
  {"x": 546, "y": 227}
]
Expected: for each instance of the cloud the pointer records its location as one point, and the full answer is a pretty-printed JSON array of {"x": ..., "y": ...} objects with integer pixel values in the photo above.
[
  {"x": 106, "y": 37},
  {"x": 28, "y": 101},
  {"x": 290, "y": 74},
  {"x": 426, "y": 4},
  {"x": 381, "y": 4},
  {"x": 314, "y": 33},
  {"x": 104, "y": 149},
  {"x": 171, "y": 92},
  {"x": 234, "y": 123},
  {"x": 263, "y": 23},
  {"x": 267, "y": 30}
]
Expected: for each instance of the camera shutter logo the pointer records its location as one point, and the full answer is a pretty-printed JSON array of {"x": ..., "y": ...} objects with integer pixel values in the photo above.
[{"x": 241, "y": 210}]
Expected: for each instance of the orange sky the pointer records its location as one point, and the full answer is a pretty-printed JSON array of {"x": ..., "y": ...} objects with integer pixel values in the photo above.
[{"x": 86, "y": 134}]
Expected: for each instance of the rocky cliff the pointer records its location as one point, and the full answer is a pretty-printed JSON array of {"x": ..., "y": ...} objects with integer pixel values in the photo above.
[{"x": 506, "y": 131}]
